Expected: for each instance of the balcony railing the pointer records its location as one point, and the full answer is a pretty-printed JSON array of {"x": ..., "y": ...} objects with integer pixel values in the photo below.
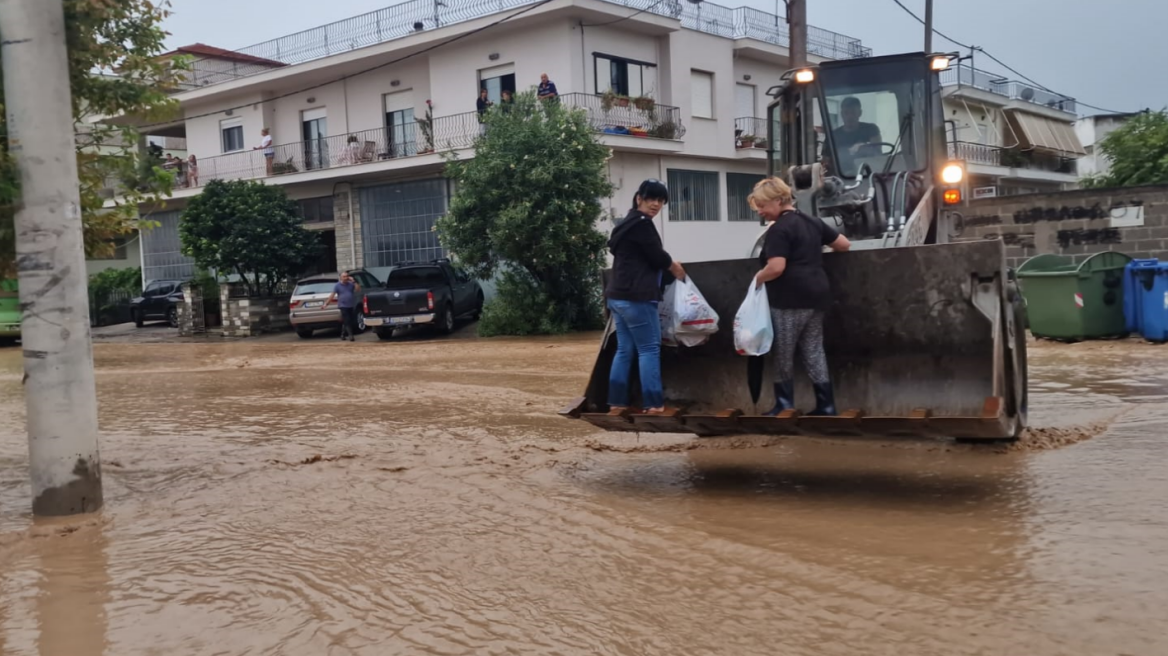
[
  {"x": 411, "y": 139},
  {"x": 978, "y": 79},
  {"x": 1011, "y": 157},
  {"x": 750, "y": 132},
  {"x": 406, "y": 18}
]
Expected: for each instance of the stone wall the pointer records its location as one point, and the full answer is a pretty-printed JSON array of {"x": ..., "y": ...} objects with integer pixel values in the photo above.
[
  {"x": 348, "y": 241},
  {"x": 247, "y": 317},
  {"x": 1079, "y": 223},
  {"x": 190, "y": 313}
]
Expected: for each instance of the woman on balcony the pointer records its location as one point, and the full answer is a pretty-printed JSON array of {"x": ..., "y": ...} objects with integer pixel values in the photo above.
[{"x": 639, "y": 265}]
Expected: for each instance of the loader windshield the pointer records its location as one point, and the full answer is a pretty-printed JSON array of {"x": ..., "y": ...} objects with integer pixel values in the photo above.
[{"x": 876, "y": 114}]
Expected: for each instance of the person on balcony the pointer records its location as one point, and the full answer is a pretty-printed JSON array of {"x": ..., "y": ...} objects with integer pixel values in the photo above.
[
  {"x": 547, "y": 88},
  {"x": 483, "y": 104},
  {"x": 266, "y": 146},
  {"x": 507, "y": 102},
  {"x": 192, "y": 171}
]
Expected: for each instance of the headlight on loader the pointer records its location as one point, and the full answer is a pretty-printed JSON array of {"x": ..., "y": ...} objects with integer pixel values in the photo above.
[{"x": 952, "y": 174}]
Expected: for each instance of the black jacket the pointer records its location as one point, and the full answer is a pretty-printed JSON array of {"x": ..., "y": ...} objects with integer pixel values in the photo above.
[{"x": 639, "y": 262}]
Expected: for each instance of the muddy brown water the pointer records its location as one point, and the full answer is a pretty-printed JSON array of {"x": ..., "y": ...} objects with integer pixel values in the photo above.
[{"x": 451, "y": 512}]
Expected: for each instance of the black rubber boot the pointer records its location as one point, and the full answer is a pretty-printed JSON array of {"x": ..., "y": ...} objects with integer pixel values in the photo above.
[
  {"x": 784, "y": 398},
  {"x": 824, "y": 401}
]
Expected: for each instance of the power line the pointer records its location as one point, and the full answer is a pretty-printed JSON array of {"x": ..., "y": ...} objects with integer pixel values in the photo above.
[
  {"x": 1000, "y": 62},
  {"x": 363, "y": 71}
]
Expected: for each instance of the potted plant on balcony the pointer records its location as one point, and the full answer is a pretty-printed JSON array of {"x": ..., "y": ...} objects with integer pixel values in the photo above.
[
  {"x": 666, "y": 130},
  {"x": 760, "y": 143},
  {"x": 1012, "y": 158},
  {"x": 644, "y": 103},
  {"x": 427, "y": 126},
  {"x": 746, "y": 141}
]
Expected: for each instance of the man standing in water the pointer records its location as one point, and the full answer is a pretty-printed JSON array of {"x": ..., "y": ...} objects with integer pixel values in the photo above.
[{"x": 345, "y": 294}]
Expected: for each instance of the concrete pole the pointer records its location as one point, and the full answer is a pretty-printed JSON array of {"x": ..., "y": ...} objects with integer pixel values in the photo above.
[
  {"x": 797, "y": 19},
  {"x": 59, "y": 388},
  {"x": 928, "y": 26}
]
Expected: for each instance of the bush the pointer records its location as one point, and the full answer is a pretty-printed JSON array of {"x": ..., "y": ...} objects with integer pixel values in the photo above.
[
  {"x": 250, "y": 229},
  {"x": 117, "y": 280},
  {"x": 527, "y": 205}
]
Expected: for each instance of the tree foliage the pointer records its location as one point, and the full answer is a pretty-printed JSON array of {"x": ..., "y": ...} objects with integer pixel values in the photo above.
[
  {"x": 1138, "y": 151},
  {"x": 112, "y": 48},
  {"x": 527, "y": 206},
  {"x": 250, "y": 229}
]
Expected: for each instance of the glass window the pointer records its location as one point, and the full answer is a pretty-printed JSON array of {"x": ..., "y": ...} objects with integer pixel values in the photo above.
[
  {"x": 314, "y": 287},
  {"x": 693, "y": 195},
  {"x": 624, "y": 77},
  {"x": 231, "y": 131},
  {"x": 738, "y": 187},
  {"x": 497, "y": 80},
  {"x": 316, "y": 210},
  {"x": 421, "y": 277},
  {"x": 876, "y": 116}
]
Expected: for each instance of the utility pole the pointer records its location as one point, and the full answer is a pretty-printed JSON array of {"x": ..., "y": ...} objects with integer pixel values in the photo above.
[
  {"x": 797, "y": 20},
  {"x": 59, "y": 389},
  {"x": 928, "y": 26}
]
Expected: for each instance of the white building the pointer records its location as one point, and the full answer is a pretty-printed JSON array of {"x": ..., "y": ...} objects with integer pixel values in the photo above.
[
  {"x": 347, "y": 105},
  {"x": 1015, "y": 138},
  {"x": 1091, "y": 130}
]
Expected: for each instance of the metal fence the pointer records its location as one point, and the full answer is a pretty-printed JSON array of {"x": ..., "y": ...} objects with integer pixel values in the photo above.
[
  {"x": 109, "y": 307},
  {"x": 162, "y": 257},
  {"x": 750, "y": 132},
  {"x": 408, "y": 17},
  {"x": 413, "y": 138},
  {"x": 963, "y": 75},
  {"x": 976, "y": 153}
]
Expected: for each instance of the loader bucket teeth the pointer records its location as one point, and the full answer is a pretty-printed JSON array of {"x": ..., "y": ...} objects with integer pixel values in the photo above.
[{"x": 917, "y": 339}]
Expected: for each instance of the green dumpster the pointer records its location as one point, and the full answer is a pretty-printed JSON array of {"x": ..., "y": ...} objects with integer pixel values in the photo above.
[{"x": 1070, "y": 302}]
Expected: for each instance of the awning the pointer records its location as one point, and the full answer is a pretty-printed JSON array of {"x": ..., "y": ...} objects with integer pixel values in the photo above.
[{"x": 1042, "y": 133}]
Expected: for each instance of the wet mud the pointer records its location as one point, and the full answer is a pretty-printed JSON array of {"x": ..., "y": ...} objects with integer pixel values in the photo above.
[{"x": 422, "y": 497}]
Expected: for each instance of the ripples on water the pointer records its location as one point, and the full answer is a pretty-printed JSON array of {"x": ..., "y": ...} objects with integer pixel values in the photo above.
[{"x": 488, "y": 526}]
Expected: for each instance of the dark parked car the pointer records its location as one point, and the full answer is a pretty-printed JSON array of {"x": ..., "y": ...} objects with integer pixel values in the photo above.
[
  {"x": 158, "y": 302},
  {"x": 434, "y": 294}
]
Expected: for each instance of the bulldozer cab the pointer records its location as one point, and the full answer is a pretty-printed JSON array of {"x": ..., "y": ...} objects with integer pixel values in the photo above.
[
  {"x": 863, "y": 142},
  {"x": 924, "y": 338}
]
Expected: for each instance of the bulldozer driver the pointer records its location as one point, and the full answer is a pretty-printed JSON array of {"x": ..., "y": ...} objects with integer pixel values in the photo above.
[
  {"x": 855, "y": 138},
  {"x": 797, "y": 290}
]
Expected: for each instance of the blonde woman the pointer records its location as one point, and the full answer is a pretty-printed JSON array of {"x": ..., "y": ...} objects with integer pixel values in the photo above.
[{"x": 798, "y": 291}]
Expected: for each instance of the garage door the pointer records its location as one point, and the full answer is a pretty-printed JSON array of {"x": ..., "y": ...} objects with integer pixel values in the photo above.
[
  {"x": 162, "y": 257},
  {"x": 397, "y": 222}
]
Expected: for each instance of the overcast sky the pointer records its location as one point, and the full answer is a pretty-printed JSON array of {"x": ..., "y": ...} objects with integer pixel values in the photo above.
[{"x": 1109, "y": 53}]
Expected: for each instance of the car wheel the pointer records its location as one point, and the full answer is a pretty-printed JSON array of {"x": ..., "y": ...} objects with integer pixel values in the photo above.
[
  {"x": 384, "y": 335},
  {"x": 136, "y": 317},
  {"x": 304, "y": 333},
  {"x": 172, "y": 317},
  {"x": 447, "y": 324},
  {"x": 360, "y": 322}
]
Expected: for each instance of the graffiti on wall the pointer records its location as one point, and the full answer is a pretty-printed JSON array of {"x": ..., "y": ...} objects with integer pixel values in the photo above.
[
  {"x": 1090, "y": 236},
  {"x": 1023, "y": 239},
  {"x": 1117, "y": 211}
]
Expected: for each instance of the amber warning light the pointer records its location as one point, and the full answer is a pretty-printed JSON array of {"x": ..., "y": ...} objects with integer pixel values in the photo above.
[{"x": 952, "y": 196}]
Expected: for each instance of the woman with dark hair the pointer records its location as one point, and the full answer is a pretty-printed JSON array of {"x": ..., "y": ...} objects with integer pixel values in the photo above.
[{"x": 634, "y": 289}]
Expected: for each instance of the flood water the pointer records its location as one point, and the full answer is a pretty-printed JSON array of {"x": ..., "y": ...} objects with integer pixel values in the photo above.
[{"x": 451, "y": 512}]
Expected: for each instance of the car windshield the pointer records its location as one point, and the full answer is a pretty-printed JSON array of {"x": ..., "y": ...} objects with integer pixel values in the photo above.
[
  {"x": 314, "y": 287},
  {"x": 876, "y": 116},
  {"x": 415, "y": 277}
]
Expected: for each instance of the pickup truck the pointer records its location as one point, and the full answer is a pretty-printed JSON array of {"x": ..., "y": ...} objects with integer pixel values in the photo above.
[{"x": 434, "y": 294}]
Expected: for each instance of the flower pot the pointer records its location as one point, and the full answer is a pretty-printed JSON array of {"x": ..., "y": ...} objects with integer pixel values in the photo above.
[{"x": 622, "y": 102}]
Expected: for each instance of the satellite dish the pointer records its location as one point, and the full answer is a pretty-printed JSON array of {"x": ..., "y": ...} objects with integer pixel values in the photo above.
[
  {"x": 1027, "y": 93},
  {"x": 694, "y": 2}
]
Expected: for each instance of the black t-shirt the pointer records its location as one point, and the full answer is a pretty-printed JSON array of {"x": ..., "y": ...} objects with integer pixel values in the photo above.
[
  {"x": 800, "y": 239},
  {"x": 864, "y": 133}
]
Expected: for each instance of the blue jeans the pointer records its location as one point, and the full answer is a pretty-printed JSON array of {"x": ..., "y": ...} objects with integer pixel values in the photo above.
[{"x": 638, "y": 331}]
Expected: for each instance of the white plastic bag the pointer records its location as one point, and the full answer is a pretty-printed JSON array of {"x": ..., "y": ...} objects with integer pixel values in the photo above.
[
  {"x": 693, "y": 318},
  {"x": 665, "y": 316},
  {"x": 753, "y": 333}
]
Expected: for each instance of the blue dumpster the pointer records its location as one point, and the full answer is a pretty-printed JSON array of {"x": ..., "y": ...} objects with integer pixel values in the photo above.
[
  {"x": 1149, "y": 280},
  {"x": 1140, "y": 275}
]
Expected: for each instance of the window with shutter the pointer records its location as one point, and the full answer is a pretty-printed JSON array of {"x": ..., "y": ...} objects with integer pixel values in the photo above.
[{"x": 702, "y": 94}]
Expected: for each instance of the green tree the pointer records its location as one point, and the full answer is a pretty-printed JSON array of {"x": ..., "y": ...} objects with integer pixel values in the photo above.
[
  {"x": 104, "y": 37},
  {"x": 526, "y": 206},
  {"x": 1138, "y": 151},
  {"x": 250, "y": 229}
]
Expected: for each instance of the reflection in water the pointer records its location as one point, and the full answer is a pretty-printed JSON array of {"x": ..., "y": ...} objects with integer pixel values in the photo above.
[{"x": 454, "y": 513}]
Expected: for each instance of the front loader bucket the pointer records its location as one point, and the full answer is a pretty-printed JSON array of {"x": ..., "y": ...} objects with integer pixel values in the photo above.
[{"x": 923, "y": 341}]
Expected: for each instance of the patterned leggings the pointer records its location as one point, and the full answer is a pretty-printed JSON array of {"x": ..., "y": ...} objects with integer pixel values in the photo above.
[{"x": 802, "y": 330}]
